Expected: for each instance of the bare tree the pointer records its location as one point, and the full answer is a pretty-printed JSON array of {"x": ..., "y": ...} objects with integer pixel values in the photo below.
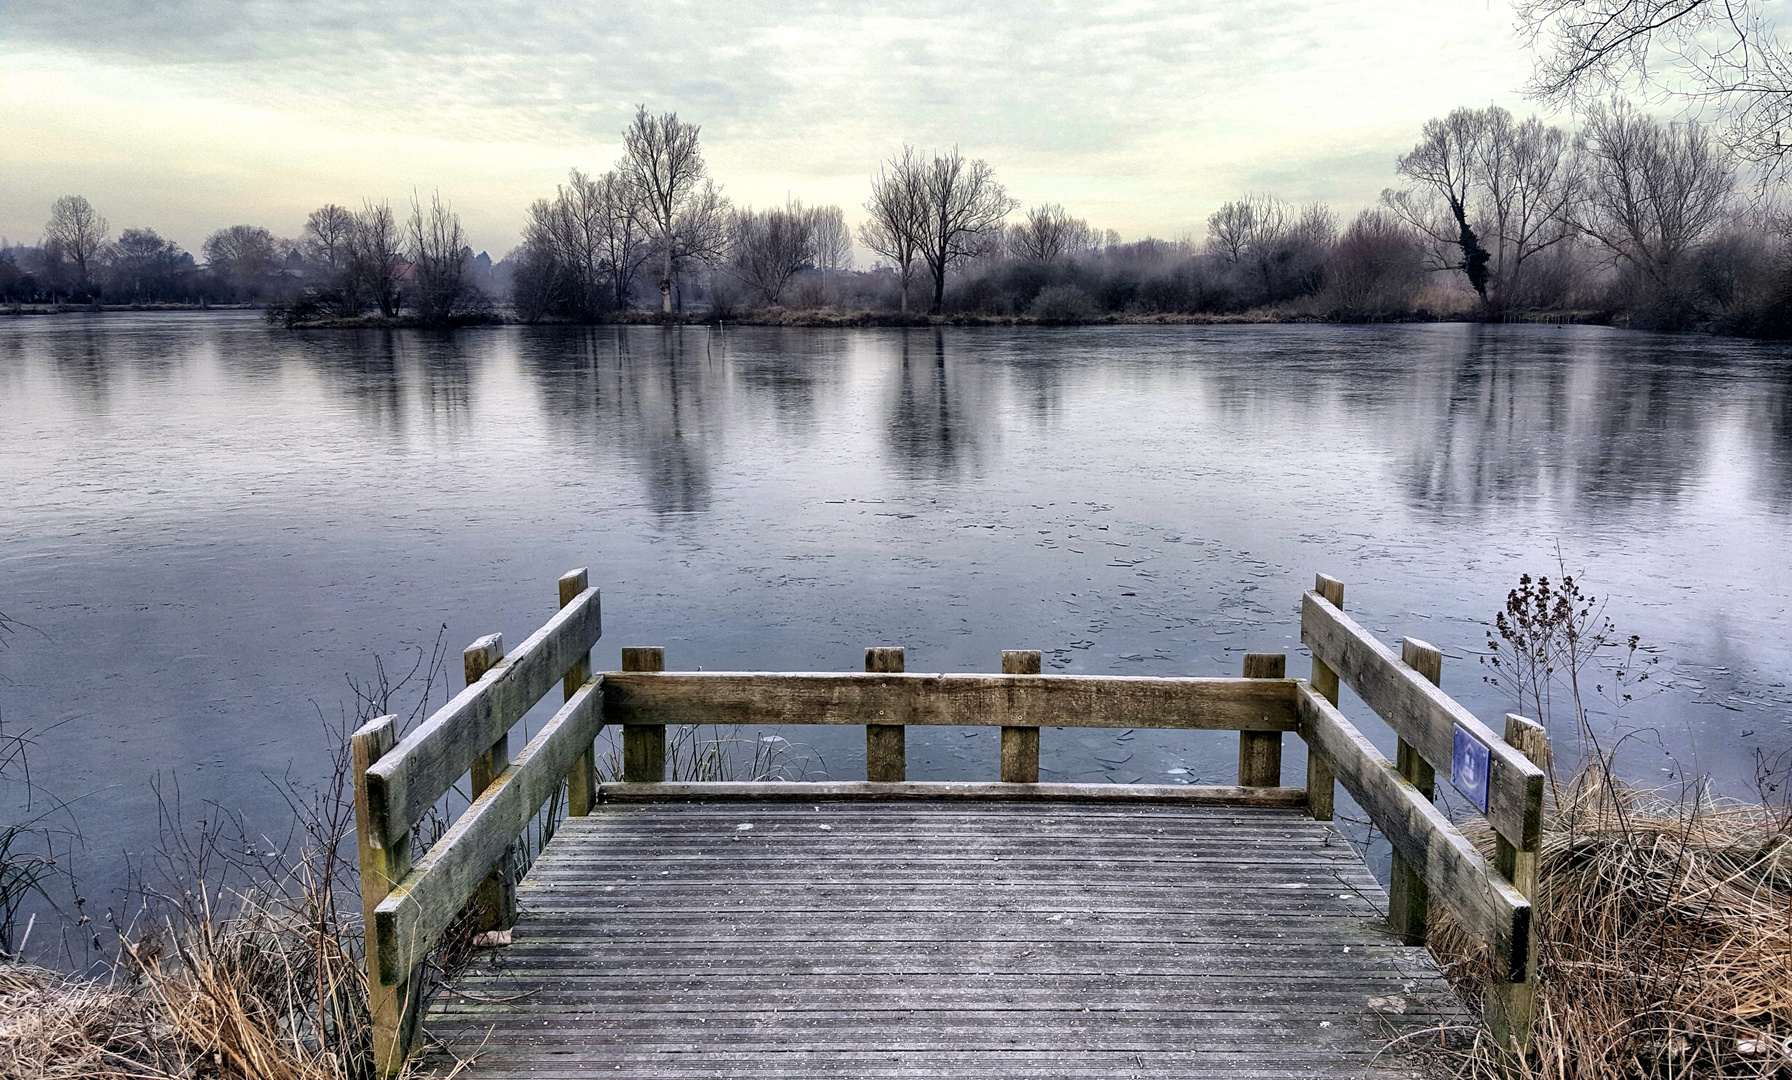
[
  {"x": 897, "y": 207},
  {"x": 700, "y": 232},
  {"x": 327, "y": 233},
  {"x": 1529, "y": 177},
  {"x": 77, "y": 232},
  {"x": 831, "y": 242},
  {"x": 964, "y": 206},
  {"x": 625, "y": 241},
  {"x": 1723, "y": 53},
  {"x": 1375, "y": 267},
  {"x": 243, "y": 256},
  {"x": 831, "y": 239},
  {"x": 769, "y": 247},
  {"x": 375, "y": 253},
  {"x": 1654, "y": 191},
  {"x": 568, "y": 233},
  {"x": 435, "y": 245},
  {"x": 1229, "y": 229},
  {"x": 1046, "y": 233},
  {"x": 664, "y": 165},
  {"x": 1443, "y": 166},
  {"x": 145, "y": 266}
]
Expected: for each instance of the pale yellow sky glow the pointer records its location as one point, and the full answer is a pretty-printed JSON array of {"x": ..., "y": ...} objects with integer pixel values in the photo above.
[{"x": 1140, "y": 116}]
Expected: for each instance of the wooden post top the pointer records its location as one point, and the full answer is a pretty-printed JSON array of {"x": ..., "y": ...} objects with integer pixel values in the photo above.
[
  {"x": 1021, "y": 661},
  {"x": 644, "y": 658},
  {"x": 1330, "y": 588},
  {"x": 479, "y": 657},
  {"x": 1423, "y": 657},
  {"x": 1266, "y": 665},
  {"x": 884, "y": 660},
  {"x": 572, "y": 583}
]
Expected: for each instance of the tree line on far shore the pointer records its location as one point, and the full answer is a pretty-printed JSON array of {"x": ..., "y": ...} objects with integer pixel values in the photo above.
[{"x": 1629, "y": 218}]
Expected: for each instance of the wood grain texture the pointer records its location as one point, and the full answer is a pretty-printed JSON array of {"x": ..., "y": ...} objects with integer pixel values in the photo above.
[
  {"x": 955, "y": 791},
  {"x": 392, "y": 1009},
  {"x": 886, "y": 745},
  {"x": 1424, "y": 715},
  {"x": 405, "y": 783},
  {"x": 1511, "y": 1008},
  {"x": 1020, "y": 745},
  {"x": 1409, "y": 901},
  {"x": 1456, "y": 875},
  {"x": 693, "y": 940},
  {"x": 411, "y": 918},
  {"x": 581, "y": 779},
  {"x": 1321, "y": 787},
  {"x": 495, "y": 905},
  {"x": 644, "y": 745},
  {"x": 1260, "y": 752},
  {"x": 1125, "y": 701}
]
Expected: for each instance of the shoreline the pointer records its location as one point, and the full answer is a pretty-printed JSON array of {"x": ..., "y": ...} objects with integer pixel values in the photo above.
[{"x": 829, "y": 318}]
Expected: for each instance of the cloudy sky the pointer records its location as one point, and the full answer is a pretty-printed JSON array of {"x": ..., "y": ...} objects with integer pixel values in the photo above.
[{"x": 188, "y": 115}]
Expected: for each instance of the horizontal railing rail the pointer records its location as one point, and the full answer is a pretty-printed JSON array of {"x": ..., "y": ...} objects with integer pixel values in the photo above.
[
  {"x": 1486, "y": 907},
  {"x": 960, "y": 700},
  {"x": 411, "y": 919},
  {"x": 1502, "y": 777},
  {"x": 408, "y": 906},
  {"x": 407, "y": 781},
  {"x": 1424, "y": 716}
]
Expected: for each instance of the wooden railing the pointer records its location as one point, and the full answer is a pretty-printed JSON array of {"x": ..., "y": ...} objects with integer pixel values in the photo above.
[
  {"x": 1432, "y": 861},
  {"x": 409, "y": 907}
]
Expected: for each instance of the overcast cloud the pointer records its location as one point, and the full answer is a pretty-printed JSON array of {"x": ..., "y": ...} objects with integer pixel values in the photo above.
[{"x": 1141, "y": 116}]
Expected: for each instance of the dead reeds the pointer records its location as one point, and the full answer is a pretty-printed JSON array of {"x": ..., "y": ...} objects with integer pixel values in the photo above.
[{"x": 1664, "y": 940}]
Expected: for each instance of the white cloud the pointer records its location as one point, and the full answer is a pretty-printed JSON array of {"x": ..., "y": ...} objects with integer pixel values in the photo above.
[{"x": 1138, "y": 114}]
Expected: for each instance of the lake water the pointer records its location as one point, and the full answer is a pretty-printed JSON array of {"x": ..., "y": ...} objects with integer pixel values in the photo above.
[{"x": 209, "y": 524}]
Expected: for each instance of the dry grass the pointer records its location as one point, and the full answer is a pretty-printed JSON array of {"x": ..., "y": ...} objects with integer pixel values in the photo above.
[{"x": 1664, "y": 940}]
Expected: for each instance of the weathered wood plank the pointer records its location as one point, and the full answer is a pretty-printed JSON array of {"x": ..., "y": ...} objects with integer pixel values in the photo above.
[
  {"x": 1020, "y": 745},
  {"x": 886, "y": 745},
  {"x": 920, "y": 790},
  {"x": 1409, "y": 901},
  {"x": 412, "y": 917},
  {"x": 1260, "y": 752},
  {"x": 495, "y": 906},
  {"x": 581, "y": 780},
  {"x": 405, "y": 783},
  {"x": 644, "y": 745},
  {"x": 1126, "y": 701},
  {"x": 657, "y": 942},
  {"x": 1424, "y": 715},
  {"x": 1321, "y": 787},
  {"x": 1511, "y": 1008},
  {"x": 392, "y": 1009},
  {"x": 1488, "y": 907}
]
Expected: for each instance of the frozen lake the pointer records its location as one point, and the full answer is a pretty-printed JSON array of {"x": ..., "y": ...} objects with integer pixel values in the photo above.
[{"x": 209, "y": 523}]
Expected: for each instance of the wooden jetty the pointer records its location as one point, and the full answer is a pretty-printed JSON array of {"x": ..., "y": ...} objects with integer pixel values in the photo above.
[{"x": 894, "y": 928}]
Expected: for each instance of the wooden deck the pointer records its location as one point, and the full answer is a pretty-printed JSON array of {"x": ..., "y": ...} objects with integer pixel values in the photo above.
[{"x": 975, "y": 939}]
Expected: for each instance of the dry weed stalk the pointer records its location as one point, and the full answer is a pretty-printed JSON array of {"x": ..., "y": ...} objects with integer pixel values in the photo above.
[{"x": 1664, "y": 940}]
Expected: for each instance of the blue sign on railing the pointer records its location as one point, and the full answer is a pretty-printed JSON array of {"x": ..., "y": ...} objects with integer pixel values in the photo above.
[{"x": 1469, "y": 758}]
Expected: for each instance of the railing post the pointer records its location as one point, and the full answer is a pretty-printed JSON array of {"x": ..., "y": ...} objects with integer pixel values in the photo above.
[
  {"x": 496, "y": 899},
  {"x": 392, "y": 1009},
  {"x": 1260, "y": 752},
  {"x": 1409, "y": 898},
  {"x": 886, "y": 748},
  {"x": 1321, "y": 785},
  {"x": 581, "y": 781},
  {"x": 1511, "y": 1007},
  {"x": 1020, "y": 745},
  {"x": 644, "y": 745}
]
